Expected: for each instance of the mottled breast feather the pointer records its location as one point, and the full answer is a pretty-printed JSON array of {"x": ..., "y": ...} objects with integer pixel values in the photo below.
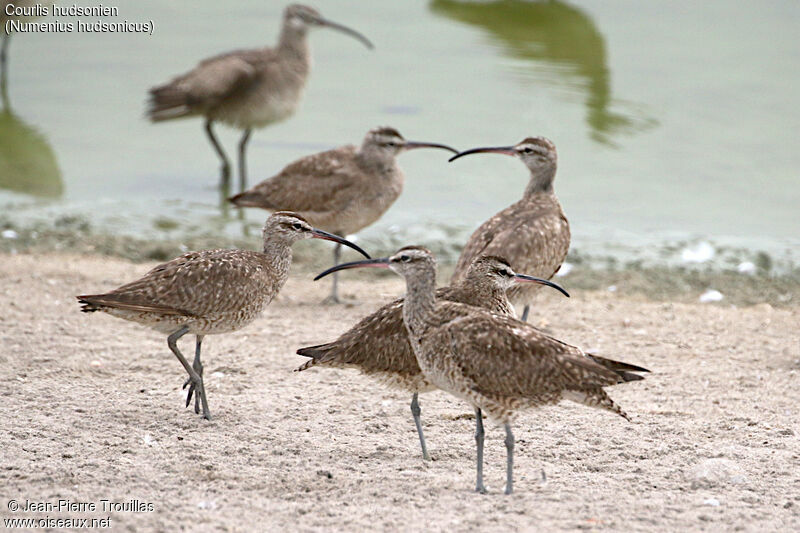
[
  {"x": 498, "y": 356},
  {"x": 207, "y": 85},
  {"x": 333, "y": 189},
  {"x": 378, "y": 344},
  {"x": 243, "y": 88},
  {"x": 533, "y": 234},
  {"x": 204, "y": 283},
  {"x": 319, "y": 182}
]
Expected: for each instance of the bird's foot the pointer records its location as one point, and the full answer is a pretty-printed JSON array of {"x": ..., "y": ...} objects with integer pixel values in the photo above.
[
  {"x": 192, "y": 394},
  {"x": 332, "y": 299},
  {"x": 197, "y": 391},
  {"x": 481, "y": 489}
]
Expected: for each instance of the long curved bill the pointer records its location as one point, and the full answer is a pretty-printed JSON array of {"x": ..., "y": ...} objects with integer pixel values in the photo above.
[
  {"x": 410, "y": 145},
  {"x": 522, "y": 278},
  {"x": 324, "y": 235},
  {"x": 507, "y": 150},
  {"x": 383, "y": 262},
  {"x": 345, "y": 29}
]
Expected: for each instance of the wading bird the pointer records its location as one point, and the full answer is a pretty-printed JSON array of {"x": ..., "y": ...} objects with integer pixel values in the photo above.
[
  {"x": 246, "y": 89},
  {"x": 494, "y": 362},
  {"x": 342, "y": 190},
  {"x": 210, "y": 291},
  {"x": 378, "y": 345},
  {"x": 532, "y": 233}
]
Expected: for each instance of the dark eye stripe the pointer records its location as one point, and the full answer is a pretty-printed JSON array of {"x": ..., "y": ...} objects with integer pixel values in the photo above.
[{"x": 530, "y": 150}]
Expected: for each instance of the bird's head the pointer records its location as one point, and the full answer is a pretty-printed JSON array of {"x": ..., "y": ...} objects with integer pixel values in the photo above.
[
  {"x": 408, "y": 261},
  {"x": 498, "y": 272},
  {"x": 386, "y": 142},
  {"x": 301, "y": 18},
  {"x": 538, "y": 153},
  {"x": 290, "y": 227}
]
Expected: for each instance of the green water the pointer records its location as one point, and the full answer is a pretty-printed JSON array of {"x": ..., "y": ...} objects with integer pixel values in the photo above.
[{"x": 675, "y": 121}]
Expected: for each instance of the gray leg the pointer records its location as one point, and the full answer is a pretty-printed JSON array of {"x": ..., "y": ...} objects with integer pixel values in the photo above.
[
  {"x": 242, "y": 160},
  {"x": 197, "y": 365},
  {"x": 4, "y": 54},
  {"x": 4, "y": 71},
  {"x": 479, "y": 486},
  {"x": 509, "y": 460},
  {"x": 333, "y": 298},
  {"x": 226, "y": 166},
  {"x": 197, "y": 381},
  {"x": 525, "y": 313},
  {"x": 415, "y": 411}
]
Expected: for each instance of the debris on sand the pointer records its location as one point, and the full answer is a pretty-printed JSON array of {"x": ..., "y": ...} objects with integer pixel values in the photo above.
[{"x": 711, "y": 295}]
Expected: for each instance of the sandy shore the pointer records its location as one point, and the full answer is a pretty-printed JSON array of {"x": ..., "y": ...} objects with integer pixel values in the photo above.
[{"x": 91, "y": 409}]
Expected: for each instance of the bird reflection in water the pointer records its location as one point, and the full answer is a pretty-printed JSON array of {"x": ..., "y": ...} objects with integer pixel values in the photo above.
[
  {"x": 25, "y": 11},
  {"x": 566, "y": 41},
  {"x": 27, "y": 162}
]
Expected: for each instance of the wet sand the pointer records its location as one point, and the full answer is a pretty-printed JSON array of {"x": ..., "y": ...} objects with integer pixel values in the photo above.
[{"x": 91, "y": 409}]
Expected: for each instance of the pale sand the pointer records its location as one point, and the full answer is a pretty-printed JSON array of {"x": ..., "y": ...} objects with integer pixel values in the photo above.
[{"x": 91, "y": 408}]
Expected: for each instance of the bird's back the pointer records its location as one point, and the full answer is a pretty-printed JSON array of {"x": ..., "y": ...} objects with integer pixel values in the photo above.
[
  {"x": 503, "y": 364},
  {"x": 243, "y": 88},
  {"x": 533, "y": 234},
  {"x": 378, "y": 345},
  {"x": 316, "y": 183},
  {"x": 214, "y": 290},
  {"x": 331, "y": 189}
]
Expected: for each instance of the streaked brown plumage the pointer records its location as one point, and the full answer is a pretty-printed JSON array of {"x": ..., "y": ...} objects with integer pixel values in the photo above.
[
  {"x": 246, "y": 89},
  {"x": 210, "y": 291},
  {"x": 533, "y": 233},
  {"x": 496, "y": 363},
  {"x": 342, "y": 190},
  {"x": 378, "y": 345}
]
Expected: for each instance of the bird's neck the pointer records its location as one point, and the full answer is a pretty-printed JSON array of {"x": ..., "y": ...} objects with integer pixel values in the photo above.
[
  {"x": 420, "y": 300},
  {"x": 479, "y": 293},
  {"x": 541, "y": 181},
  {"x": 372, "y": 161},
  {"x": 294, "y": 42},
  {"x": 278, "y": 252}
]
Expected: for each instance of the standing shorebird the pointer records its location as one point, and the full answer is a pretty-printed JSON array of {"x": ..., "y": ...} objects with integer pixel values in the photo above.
[
  {"x": 532, "y": 233},
  {"x": 210, "y": 291},
  {"x": 246, "y": 89},
  {"x": 378, "y": 345},
  {"x": 494, "y": 362},
  {"x": 343, "y": 190}
]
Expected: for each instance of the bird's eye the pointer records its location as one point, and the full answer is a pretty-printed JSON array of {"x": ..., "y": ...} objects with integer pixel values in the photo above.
[
  {"x": 505, "y": 273},
  {"x": 405, "y": 258},
  {"x": 297, "y": 226},
  {"x": 527, "y": 150},
  {"x": 390, "y": 144}
]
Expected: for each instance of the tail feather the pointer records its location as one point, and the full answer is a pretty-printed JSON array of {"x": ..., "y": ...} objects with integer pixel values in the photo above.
[
  {"x": 626, "y": 371},
  {"x": 168, "y": 102},
  {"x": 305, "y": 366},
  {"x": 86, "y": 304},
  {"x": 250, "y": 199},
  {"x": 596, "y": 398},
  {"x": 316, "y": 353},
  {"x": 629, "y": 376}
]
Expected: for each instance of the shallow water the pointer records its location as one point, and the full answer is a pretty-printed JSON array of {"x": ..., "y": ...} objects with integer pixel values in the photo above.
[{"x": 675, "y": 122}]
